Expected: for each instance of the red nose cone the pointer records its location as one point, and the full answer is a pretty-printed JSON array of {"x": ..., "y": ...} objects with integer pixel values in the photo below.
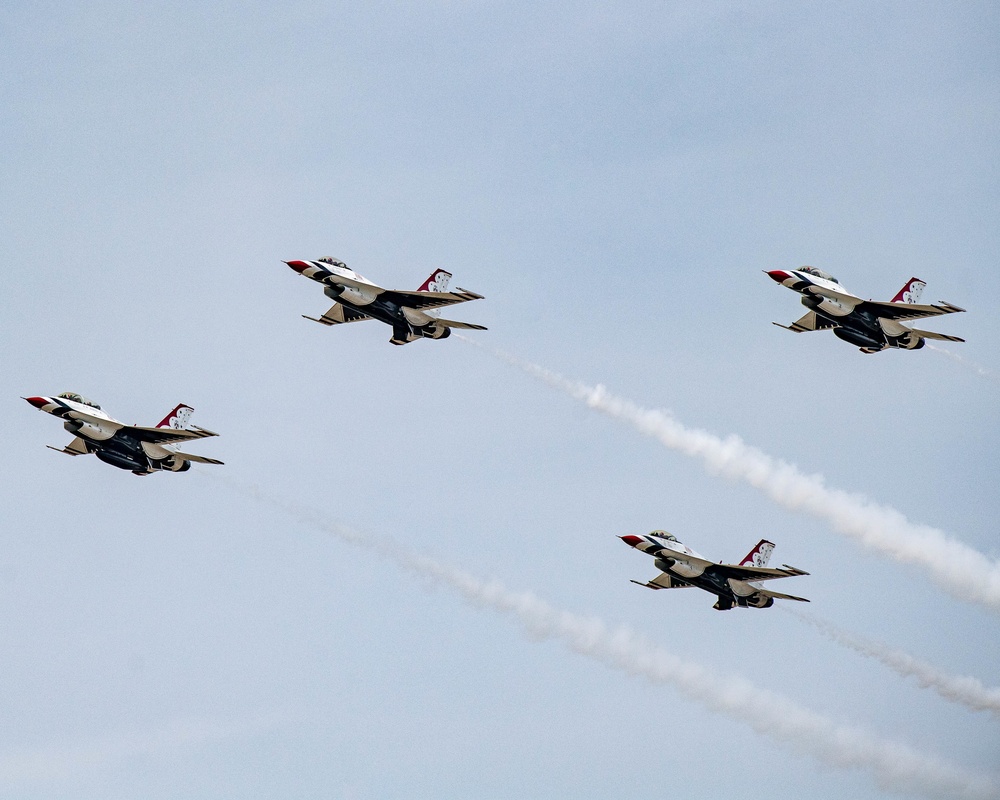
[
  {"x": 37, "y": 402},
  {"x": 298, "y": 266},
  {"x": 631, "y": 541},
  {"x": 778, "y": 275}
]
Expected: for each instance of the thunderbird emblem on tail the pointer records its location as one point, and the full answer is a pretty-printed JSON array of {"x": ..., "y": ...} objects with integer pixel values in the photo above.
[
  {"x": 734, "y": 584},
  {"x": 410, "y": 314},
  {"x": 141, "y": 450},
  {"x": 871, "y": 325}
]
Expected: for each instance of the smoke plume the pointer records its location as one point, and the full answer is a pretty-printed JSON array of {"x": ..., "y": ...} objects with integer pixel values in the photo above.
[
  {"x": 962, "y": 689},
  {"x": 965, "y": 362},
  {"x": 962, "y": 571},
  {"x": 894, "y": 766}
]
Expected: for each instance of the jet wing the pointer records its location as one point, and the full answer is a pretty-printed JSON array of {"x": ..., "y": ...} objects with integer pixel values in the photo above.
[
  {"x": 422, "y": 300},
  {"x": 339, "y": 314},
  {"x": 903, "y": 311},
  {"x": 848, "y": 300},
  {"x": 83, "y": 416},
  {"x": 809, "y": 322},
  {"x": 166, "y": 435},
  {"x": 756, "y": 573}
]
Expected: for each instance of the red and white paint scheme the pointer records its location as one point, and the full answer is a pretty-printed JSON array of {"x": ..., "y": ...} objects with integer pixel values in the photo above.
[
  {"x": 139, "y": 450},
  {"x": 871, "y": 325},
  {"x": 735, "y": 585},
  {"x": 410, "y": 314}
]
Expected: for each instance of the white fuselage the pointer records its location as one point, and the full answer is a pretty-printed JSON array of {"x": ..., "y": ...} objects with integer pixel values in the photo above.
[{"x": 95, "y": 424}]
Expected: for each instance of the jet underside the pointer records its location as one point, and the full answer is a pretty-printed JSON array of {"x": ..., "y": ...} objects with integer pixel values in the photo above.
[
  {"x": 121, "y": 450},
  {"x": 411, "y": 315},
  {"x": 137, "y": 449},
  {"x": 872, "y": 326},
  {"x": 735, "y": 585},
  {"x": 385, "y": 310},
  {"x": 716, "y": 582}
]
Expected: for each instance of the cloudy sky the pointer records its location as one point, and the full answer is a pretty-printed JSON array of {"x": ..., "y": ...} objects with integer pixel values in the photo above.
[{"x": 613, "y": 177}]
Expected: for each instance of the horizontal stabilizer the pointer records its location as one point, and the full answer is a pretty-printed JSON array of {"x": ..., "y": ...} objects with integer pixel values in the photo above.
[
  {"x": 450, "y": 323},
  {"x": 932, "y": 335},
  {"x": 338, "y": 315},
  {"x": 809, "y": 322},
  {"x": 199, "y": 459},
  {"x": 664, "y": 581},
  {"x": 75, "y": 448},
  {"x": 780, "y": 596}
]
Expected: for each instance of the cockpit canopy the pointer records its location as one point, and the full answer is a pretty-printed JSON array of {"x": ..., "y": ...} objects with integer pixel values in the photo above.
[
  {"x": 78, "y": 398},
  {"x": 664, "y": 535},
  {"x": 818, "y": 273},
  {"x": 332, "y": 260}
]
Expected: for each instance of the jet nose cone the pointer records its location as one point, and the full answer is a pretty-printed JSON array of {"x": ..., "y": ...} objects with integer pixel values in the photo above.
[
  {"x": 298, "y": 266},
  {"x": 631, "y": 541},
  {"x": 778, "y": 275},
  {"x": 37, "y": 402}
]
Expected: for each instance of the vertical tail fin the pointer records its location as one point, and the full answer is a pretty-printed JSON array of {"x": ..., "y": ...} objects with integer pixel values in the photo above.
[
  {"x": 436, "y": 282},
  {"x": 759, "y": 556},
  {"x": 177, "y": 419},
  {"x": 911, "y": 292}
]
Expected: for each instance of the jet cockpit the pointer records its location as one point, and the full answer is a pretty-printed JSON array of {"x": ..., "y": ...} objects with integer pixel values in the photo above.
[
  {"x": 77, "y": 398},
  {"x": 818, "y": 273}
]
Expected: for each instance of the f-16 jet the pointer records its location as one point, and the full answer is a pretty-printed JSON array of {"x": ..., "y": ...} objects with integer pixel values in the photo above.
[
  {"x": 409, "y": 313},
  {"x": 733, "y": 584},
  {"x": 141, "y": 450},
  {"x": 871, "y": 325}
]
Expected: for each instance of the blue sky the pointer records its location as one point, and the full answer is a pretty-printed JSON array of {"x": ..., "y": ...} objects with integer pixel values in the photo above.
[{"x": 613, "y": 178}]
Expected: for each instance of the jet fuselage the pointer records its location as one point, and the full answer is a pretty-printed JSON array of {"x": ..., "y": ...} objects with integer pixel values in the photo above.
[
  {"x": 108, "y": 438},
  {"x": 685, "y": 566},
  {"x": 358, "y": 294},
  {"x": 849, "y": 323}
]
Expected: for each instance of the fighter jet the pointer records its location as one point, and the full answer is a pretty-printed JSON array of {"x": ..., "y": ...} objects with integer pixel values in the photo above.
[
  {"x": 141, "y": 450},
  {"x": 357, "y": 298},
  {"x": 871, "y": 325},
  {"x": 734, "y": 584}
]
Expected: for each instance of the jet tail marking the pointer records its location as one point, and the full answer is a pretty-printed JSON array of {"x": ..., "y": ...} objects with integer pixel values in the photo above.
[
  {"x": 760, "y": 555},
  {"x": 910, "y": 293},
  {"x": 437, "y": 281},
  {"x": 177, "y": 419}
]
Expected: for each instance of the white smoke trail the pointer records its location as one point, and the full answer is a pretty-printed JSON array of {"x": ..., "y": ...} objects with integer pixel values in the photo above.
[
  {"x": 965, "y": 362},
  {"x": 894, "y": 766},
  {"x": 960, "y": 570},
  {"x": 962, "y": 689}
]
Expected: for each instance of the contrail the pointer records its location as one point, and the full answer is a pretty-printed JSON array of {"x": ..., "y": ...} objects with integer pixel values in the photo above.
[
  {"x": 962, "y": 689},
  {"x": 965, "y": 362},
  {"x": 894, "y": 766},
  {"x": 962, "y": 571}
]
